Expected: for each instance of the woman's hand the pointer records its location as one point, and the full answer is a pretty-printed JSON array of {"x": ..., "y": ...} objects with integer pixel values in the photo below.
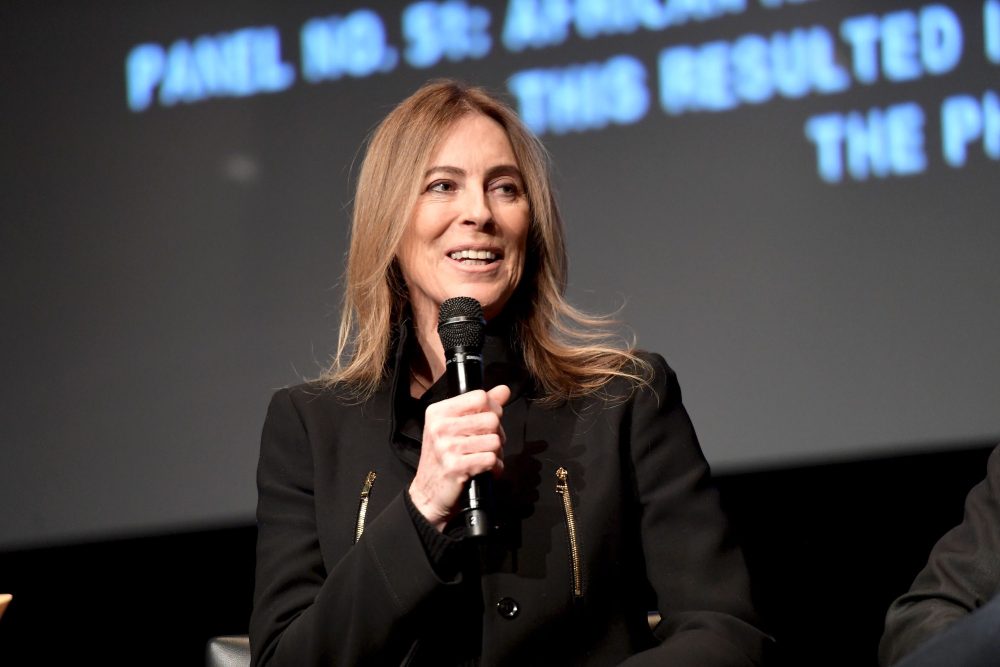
[{"x": 462, "y": 438}]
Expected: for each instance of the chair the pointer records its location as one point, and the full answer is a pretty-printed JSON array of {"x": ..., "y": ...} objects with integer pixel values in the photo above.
[{"x": 228, "y": 652}]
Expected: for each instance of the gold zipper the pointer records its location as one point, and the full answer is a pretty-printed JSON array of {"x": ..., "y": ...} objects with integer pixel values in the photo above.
[
  {"x": 366, "y": 490},
  {"x": 562, "y": 488}
]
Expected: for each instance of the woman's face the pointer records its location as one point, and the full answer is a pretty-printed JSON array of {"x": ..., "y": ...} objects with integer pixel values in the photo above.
[{"x": 467, "y": 233}]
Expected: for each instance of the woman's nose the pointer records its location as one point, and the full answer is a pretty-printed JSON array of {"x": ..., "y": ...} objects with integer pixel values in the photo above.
[{"x": 477, "y": 209}]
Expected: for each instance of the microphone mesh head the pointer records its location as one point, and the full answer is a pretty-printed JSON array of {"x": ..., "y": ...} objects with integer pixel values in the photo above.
[{"x": 461, "y": 323}]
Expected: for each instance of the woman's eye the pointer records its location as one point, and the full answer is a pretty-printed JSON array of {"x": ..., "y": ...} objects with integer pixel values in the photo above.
[
  {"x": 507, "y": 189},
  {"x": 441, "y": 186}
]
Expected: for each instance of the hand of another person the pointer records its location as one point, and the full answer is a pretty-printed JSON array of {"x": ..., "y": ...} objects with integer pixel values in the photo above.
[{"x": 462, "y": 438}]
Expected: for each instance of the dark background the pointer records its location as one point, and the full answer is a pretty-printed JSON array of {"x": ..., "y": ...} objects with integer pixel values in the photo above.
[{"x": 165, "y": 270}]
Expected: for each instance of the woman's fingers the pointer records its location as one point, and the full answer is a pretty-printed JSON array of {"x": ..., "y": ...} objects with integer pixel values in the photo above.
[
  {"x": 472, "y": 402},
  {"x": 463, "y": 437},
  {"x": 455, "y": 453},
  {"x": 466, "y": 466},
  {"x": 464, "y": 425},
  {"x": 474, "y": 413},
  {"x": 498, "y": 396}
]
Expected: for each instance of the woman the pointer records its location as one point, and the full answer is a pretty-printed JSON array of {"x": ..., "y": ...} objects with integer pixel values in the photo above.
[{"x": 604, "y": 508}]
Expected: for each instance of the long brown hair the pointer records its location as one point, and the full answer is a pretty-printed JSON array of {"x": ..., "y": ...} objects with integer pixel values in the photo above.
[{"x": 568, "y": 352}]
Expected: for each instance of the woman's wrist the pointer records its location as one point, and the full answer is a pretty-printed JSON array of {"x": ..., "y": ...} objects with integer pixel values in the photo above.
[{"x": 426, "y": 509}]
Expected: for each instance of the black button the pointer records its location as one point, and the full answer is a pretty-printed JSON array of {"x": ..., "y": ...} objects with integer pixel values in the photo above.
[{"x": 507, "y": 607}]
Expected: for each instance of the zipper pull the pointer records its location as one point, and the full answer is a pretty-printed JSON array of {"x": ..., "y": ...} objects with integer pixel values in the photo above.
[
  {"x": 562, "y": 488},
  {"x": 366, "y": 490},
  {"x": 561, "y": 485}
]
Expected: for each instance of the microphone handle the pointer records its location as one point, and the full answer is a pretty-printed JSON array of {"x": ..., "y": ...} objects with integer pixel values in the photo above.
[{"x": 465, "y": 374}]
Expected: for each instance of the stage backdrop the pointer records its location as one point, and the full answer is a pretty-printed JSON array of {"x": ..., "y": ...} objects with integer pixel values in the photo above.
[{"x": 794, "y": 201}]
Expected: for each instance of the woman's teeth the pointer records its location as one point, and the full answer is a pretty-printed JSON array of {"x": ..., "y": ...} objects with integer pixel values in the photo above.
[{"x": 474, "y": 257}]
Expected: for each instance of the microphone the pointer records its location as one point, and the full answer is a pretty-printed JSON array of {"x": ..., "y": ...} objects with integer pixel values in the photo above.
[{"x": 461, "y": 328}]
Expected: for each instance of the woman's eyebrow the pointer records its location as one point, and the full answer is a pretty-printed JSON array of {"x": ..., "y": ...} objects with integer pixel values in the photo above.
[
  {"x": 492, "y": 172},
  {"x": 504, "y": 170},
  {"x": 456, "y": 171}
]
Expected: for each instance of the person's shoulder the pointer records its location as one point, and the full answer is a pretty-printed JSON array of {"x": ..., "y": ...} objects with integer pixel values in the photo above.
[
  {"x": 647, "y": 376},
  {"x": 991, "y": 483},
  {"x": 311, "y": 388},
  {"x": 653, "y": 367},
  {"x": 655, "y": 360},
  {"x": 993, "y": 462},
  {"x": 315, "y": 394}
]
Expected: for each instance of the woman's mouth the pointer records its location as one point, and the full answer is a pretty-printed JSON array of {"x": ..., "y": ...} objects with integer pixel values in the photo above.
[{"x": 474, "y": 257}]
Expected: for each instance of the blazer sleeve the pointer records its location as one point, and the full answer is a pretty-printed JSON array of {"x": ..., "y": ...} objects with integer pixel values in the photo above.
[
  {"x": 693, "y": 563},
  {"x": 361, "y": 610},
  {"x": 961, "y": 575}
]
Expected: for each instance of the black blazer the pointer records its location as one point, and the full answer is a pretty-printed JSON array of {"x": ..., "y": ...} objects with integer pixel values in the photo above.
[
  {"x": 624, "y": 470},
  {"x": 962, "y": 574}
]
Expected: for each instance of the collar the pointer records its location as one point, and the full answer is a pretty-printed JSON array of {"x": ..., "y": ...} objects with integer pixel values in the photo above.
[{"x": 502, "y": 365}]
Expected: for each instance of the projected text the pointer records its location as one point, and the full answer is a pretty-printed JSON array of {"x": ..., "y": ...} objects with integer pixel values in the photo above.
[{"x": 897, "y": 136}]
